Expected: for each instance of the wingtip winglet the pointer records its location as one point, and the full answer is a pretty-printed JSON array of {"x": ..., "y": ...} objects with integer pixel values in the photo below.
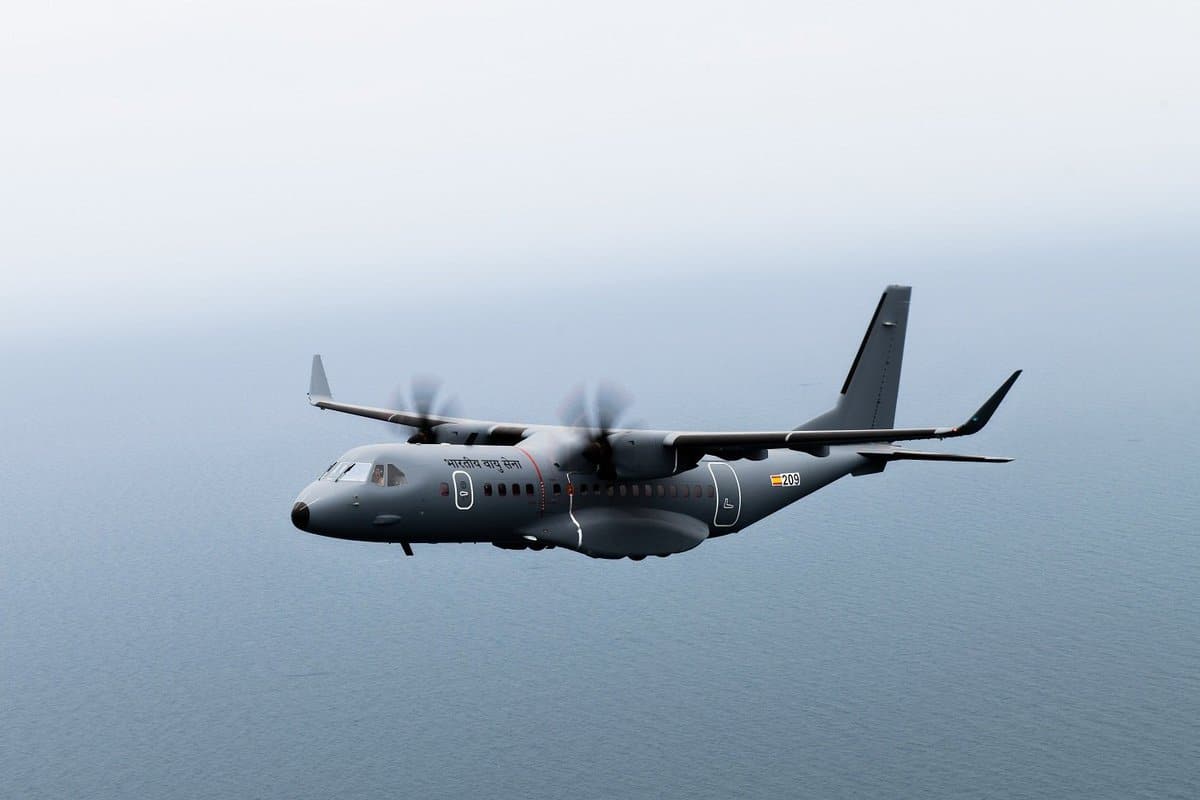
[
  {"x": 318, "y": 384},
  {"x": 981, "y": 417}
]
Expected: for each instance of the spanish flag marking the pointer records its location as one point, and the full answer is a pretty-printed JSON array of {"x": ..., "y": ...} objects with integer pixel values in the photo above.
[{"x": 786, "y": 479}]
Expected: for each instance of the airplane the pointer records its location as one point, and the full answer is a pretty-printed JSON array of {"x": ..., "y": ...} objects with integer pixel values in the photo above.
[{"x": 610, "y": 492}]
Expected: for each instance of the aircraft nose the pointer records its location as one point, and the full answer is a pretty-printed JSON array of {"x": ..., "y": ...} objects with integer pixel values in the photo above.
[{"x": 300, "y": 515}]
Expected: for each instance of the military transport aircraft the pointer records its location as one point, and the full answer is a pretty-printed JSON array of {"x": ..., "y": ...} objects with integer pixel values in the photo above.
[{"x": 606, "y": 491}]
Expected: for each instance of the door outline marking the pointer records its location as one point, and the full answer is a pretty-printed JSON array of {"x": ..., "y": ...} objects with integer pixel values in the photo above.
[
  {"x": 458, "y": 495},
  {"x": 720, "y": 500}
]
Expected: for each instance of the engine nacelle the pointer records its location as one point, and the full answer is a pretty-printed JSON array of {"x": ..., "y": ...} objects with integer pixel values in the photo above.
[{"x": 638, "y": 455}]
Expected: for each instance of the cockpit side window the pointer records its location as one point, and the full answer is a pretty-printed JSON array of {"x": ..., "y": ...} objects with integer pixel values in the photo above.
[
  {"x": 395, "y": 477},
  {"x": 377, "y": 475}
]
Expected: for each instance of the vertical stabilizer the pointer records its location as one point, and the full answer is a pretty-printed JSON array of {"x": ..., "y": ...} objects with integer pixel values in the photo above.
[{"x": 868, "y": 398}]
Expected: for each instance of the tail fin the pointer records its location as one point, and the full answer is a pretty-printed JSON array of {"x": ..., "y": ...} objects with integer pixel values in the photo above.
[{"x": 868, "y": 398}]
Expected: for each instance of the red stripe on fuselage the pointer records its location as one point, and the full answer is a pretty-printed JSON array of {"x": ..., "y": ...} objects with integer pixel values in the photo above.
[{"x": 541, "y": 481}]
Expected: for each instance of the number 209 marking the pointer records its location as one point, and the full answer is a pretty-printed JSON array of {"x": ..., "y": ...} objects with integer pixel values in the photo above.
[{"x": 786, "y": 479}]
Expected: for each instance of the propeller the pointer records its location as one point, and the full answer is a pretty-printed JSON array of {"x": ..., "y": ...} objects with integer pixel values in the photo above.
[
  {"x": 597, "y": 415},
  {"x": 427, "y": 400}
]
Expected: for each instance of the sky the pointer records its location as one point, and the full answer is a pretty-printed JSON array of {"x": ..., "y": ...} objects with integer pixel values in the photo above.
[{"x": 263, "y": 157}]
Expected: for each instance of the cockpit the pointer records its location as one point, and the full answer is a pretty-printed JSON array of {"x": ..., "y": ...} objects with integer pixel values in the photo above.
[{"x": 383, "y": 474}]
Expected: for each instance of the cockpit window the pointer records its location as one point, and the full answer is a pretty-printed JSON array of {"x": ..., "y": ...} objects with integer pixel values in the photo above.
[
  {"x": 353, "y": 471},
  {"x": 328, "y": 470},
  {"x": 394, "y": 476},
  {"x": 387, "y": 475},
  {"x": 335, "y": 469}
]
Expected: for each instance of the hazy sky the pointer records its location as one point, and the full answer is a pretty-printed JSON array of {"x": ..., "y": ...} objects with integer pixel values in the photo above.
[
  {"x": 196, "y": 197},
  {"x": 159, "y": 154}
]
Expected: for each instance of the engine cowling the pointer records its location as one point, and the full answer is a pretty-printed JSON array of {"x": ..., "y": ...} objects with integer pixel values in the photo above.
[{"x": 638, "y": 455}]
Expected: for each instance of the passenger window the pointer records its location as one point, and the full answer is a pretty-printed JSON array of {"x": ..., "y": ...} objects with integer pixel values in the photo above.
[
  {"x": 637, "y": 490},
  {"x": 501, "y": 489},
  {"x": 687, "y": 490},
  {"x": 674, "y": 490},
  {"x": 487, "y": 490},
  {"x": 394, "y": 476},
  {"x": 444, "y": 489},
  {"x": 649, "y": 490},
  {"x": 529, "y": 488},
  {"x": 608, "y": 489},
  {"x": 712, "y": 491},
  {"x": 516, "y": 487},
  {"x": 660, "y": 490},
  {"x": 624, "y": 489},
  {"x": 558, "y": 488},
  {"x": 595, "y": 488},
  {"x": 698, "y": 491}
]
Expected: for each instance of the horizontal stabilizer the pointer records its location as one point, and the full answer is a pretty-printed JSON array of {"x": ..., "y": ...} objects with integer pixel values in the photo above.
[{"x": 897, "y": 454}]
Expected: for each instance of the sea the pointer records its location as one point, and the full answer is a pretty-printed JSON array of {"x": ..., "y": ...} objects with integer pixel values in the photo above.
[{"x": 1027, "y": 630}]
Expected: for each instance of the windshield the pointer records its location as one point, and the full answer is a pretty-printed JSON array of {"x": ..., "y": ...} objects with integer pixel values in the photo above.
[{"x": 347, "y": 471}]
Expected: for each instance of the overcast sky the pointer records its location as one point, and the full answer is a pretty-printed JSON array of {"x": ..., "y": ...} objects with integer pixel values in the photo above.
[{"x": 157, "y": 154}]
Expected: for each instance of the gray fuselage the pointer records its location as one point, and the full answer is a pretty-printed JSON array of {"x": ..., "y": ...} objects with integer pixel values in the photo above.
[
  {"x": 515, "y": 497},
  {"x": 522, "y": 486}
]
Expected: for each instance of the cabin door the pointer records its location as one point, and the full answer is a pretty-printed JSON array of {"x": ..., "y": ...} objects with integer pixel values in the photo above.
[
  {"x": 729, "y": 494},
  {"x": 464, "y": 490}
]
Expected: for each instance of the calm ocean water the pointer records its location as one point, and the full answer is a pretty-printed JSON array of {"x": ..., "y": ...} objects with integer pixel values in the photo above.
[{"x": 957, "y": 631}]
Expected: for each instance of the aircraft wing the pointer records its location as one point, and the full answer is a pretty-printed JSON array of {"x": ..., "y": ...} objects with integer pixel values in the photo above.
[
  {"x": 816, "y": 441},
  {"x": 694, "y": 443},
  {"x": 320, "y": 396}
]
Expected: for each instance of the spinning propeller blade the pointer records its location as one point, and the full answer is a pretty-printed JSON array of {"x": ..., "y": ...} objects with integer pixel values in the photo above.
[
  {"x": 426, "y": 398},
  {"x": 597, "y": 416}
]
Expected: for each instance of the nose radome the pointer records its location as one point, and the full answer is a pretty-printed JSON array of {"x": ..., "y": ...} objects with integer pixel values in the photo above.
[{"x": 300, "y": 516}]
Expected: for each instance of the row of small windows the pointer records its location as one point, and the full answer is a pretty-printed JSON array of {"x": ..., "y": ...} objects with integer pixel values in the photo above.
[
  {"x": 502, "y": 488},
  {"x": 642, "y": 489},
  {"x": 609, "y": 489}
]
